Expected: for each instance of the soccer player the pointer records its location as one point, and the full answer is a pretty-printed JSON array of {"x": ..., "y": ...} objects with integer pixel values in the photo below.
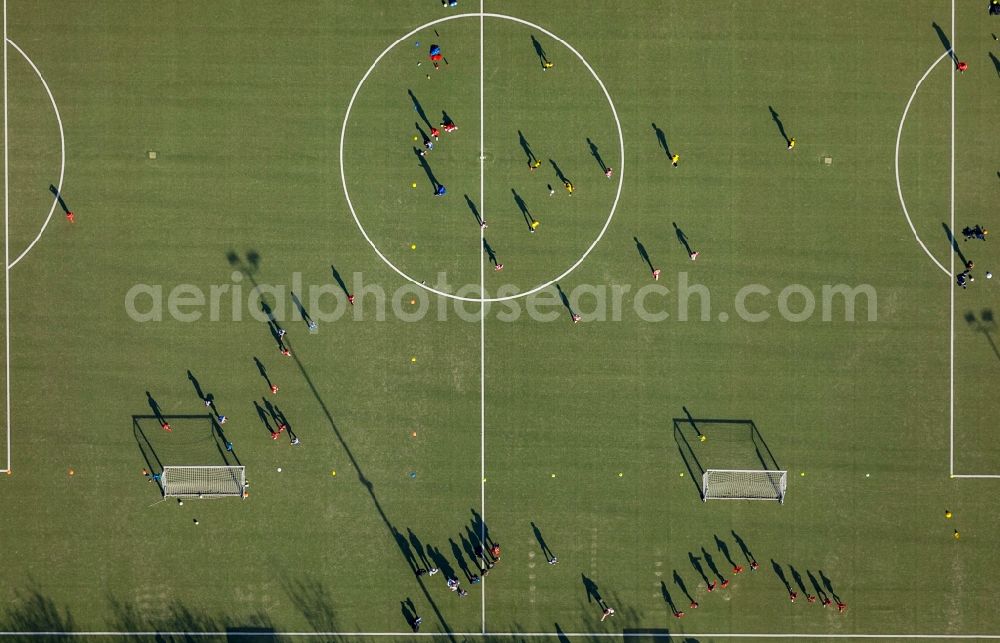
[
  {"x": 429, "y": 145},
  {"x": 962, "y": 66},
  {"x": 656, "y": 274},
  {"x": 841, "y": 607},
  {"x": 498, "y": 267},
  {"x": 166, "y": 427},
  {"x": 222, "y": 419},
  {"x": 694, "y": 255},
  {"x": 791, "y": 143},
  {"x": 436, "y": 133},
  {"x": 792, "y": 596},
  {"x": 608, "y": 172},
  {"x": 947, "y": 514},
  {"x": 675, "y": 159},
  {"x": 350, "y": 299},
  {"x": 534, "y": 225},
  {"x": 552, "y": 191},
  {"x": 495, "y": 552},
  {"x": 281, "y": 332},
  {"x": 576, "y": 318},
  {"x": 70, "y": 216},
  {"x": 956, "y": 535},
  {"x": 416, "y": 624},
  {"x": 754, "y": 566},
  {"x": 810, "y": 597},
  {"x": 693, "y": 605},
  {"x": 678, "y": 614},
  {"x": 475, "y": 580},
  {"x": 440, "y": 191},
  {"x": 711, "y": 586},
  {"x": 569, "y": 186},
  {"x": 547, "y": 65},
  {"x": 608, "y": 611},
  {"x": 725, "y": 583},
  {"x": 274, "y": 389},
  {"x": 826, "y": 602},
  {"x": 553, "y": 560},
  {"x": 284, "y": 351},
  {"x": 737, "y": 569},
  {"x": 296, "y": 441}
]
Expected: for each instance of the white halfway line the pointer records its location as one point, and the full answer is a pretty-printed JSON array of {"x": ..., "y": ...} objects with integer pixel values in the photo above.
[
  {"x": 6, "y": 242},
  {"x": 655, "y": 634},
  {"x": 482, "y": 313}
]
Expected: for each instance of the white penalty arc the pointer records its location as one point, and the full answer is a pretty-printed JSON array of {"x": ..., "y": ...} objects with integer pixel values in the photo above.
[{"x": 899, "y": 137}]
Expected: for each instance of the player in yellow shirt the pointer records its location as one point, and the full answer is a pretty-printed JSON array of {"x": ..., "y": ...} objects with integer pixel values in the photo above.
[
  {"x": 791, "y": 143},
  {"x": 569, "y": 187},
  {"x": 675, "y": 159}
]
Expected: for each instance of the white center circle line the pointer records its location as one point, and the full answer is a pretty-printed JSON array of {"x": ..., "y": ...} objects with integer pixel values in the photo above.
[{"x": 621, "y": 150}]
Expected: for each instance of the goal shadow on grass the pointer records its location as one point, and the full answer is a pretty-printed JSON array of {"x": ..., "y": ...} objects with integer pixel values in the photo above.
[
  {"x": 195, "y": 439},
  {"x": 723, "y": 444}
]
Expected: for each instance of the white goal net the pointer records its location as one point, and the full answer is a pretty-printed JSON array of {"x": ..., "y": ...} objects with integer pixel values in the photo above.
[
  {"x": 743, "y": 484},
  {"x": 203, "y": 481}
]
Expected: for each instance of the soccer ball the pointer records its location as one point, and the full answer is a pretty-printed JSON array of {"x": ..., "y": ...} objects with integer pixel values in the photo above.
[
  {"x": 279, "y": 469},
  {"x": 989, "y": 275}
]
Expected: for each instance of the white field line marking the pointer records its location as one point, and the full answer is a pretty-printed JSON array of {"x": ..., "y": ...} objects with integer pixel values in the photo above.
[
  {"x": 660, "y": 633},
  {"x": 899, "y": 136},
  {"x": 62, "y": 153},
  {"x": 6, "y": 242},
  {"x": 621, "y": 151},
  {"x": 482, "y": 309},
  {"x": 975, "y": 475},
  {"x": 951, "y": 252}
]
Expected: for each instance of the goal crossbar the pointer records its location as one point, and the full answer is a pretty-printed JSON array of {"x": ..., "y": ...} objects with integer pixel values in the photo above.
[
  {"x": 743, "y": 484},
  {"x": 203, "y": 481}
]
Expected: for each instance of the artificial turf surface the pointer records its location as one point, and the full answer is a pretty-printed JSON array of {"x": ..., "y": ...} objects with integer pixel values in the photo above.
[{"x": 244, "y": 104}]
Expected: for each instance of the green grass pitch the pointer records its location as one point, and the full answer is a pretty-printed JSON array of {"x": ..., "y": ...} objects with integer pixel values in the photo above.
[{"x": 207, "y": 147}]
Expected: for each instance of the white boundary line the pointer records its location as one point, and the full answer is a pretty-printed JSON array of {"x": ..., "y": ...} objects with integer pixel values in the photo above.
[
  {"x": 951, "y": 289},
  {"x": 62, "y": 152},
  {"x": 899, "y": 136},
  {"x": 482, "y": 306},
  {"x": 664, "y": 633},
  {"x": 621, "y": 150},
  {"x": 6, "y": 243}
]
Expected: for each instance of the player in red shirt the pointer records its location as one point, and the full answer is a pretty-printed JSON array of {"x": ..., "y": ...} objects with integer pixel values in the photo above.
[
  {"x": 841, "y": 607},
  {"x": 738, "y": 569},
  {"x": 70, "y": 216},
  {"x": 274, "y": 389},
  {"x": 962, "y": 66},
  {"x": 435, "y": 132}
]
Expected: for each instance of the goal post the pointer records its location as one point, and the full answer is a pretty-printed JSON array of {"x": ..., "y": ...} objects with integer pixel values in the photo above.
[
  {"x": 203, "y": 481},
  {"x": 743, "y": 484}
]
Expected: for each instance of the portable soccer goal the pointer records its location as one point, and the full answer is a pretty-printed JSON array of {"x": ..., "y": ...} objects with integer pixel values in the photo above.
[
  {"x": 743, "y": 484},
  {"x": 202, "y": 481}
]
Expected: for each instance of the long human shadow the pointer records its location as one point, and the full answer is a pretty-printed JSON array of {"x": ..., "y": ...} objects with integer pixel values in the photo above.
[
  {"x": 986, "y": 325},
  {"x": 418, "y": 547},
  {"x": 409, "y": 612},
  {"x": 996, "y": 63},
  {"x": 263, "y": 416},
  {"x": 593, "y": 594},
  {"x": 780, "y": 573},
  {"x": 667, "y": 598},
  {"x": 743, "y": 547},
  {"x": 954, "y": 244},
  {"x": 419, "y": 109},
  {"x": 724, "y": 549},
  {"x": 945, "y": 42},
  {"x": 147, "y": 450},
  {"x": 423, "y": 135},
  {"x": 339, "y": 280},
  {"x": 526, "y": 147},
  {"x": 427, "y": 169},
  {"x": 224, "y": 445},
  {"x": 816, "y": 586},
  {"x": 263, "y": 371},
  {"x": 523, "y": 207},
  {"x": 539, "y": 51},
  {"x": 475, "y": 210},
  {"x": 691, "y": 421},
  {"x": 559, "y": 172},
  {"x": 828, "y": 585},
  {"x": 642, "y": 252},
  {"x": 777, "y": 121},
  {"x": 55, "y": 191},
  {"x": 565, "y": 301},
  {"x": 490, "y": 253},
  {"x": 682, "y": 238},
  {"x": 797, "y": 577},
  {"x": 365, "y": 482},
  {"x": 691, "y": 463},
  {"x": 541, "y": 542},
  {"x": 456, "y": 552},
  {"x": 696, "y": 563},
  {"x": 707, "y": 557},
  {"x": 155, "y": 407},
  {"x": 662, "y": 138},
  {"x": 679, "y": 582},
  {"x": 596, "y": 153}
]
